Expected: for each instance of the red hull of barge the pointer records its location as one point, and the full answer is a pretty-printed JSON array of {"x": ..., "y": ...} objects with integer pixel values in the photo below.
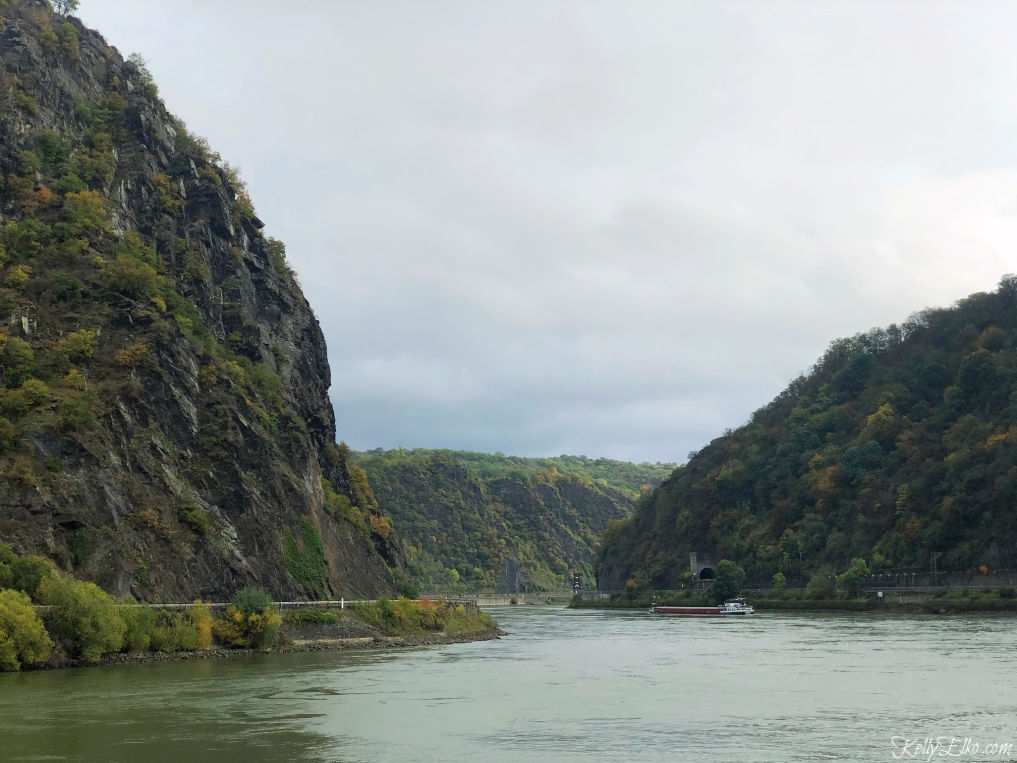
[{"x": 688, "y": 611}]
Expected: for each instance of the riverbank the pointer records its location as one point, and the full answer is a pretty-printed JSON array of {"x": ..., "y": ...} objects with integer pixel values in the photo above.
[
  {"x": 90, "y": 628},
  {"x": 291, "y": 647},
  {"x": 347, "y": 633},
  {"x": 904, "y": 602}
]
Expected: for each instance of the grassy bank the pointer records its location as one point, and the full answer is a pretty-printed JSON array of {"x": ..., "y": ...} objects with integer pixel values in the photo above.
[
  {"x": 815, "y": 605},
  {"x": 414, "y": 617},
  {"x": 965, "y": 600}
]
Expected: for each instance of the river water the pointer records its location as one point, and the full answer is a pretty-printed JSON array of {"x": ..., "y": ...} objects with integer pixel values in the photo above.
[{"x": 563, "y": 685}]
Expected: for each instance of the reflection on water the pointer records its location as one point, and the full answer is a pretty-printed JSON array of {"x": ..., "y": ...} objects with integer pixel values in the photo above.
[{"x": 563, "y": 685}]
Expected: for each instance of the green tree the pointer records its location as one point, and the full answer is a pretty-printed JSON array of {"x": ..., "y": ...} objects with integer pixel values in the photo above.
[
  {"x": 779, "y": 582},
  {"x": 23, "y": 638},
  {"x": 822, "y": 584},
  {"x": 174, "y": 632},
  {"x": 27, "y": 572},
  {"x": 252, "y": 600},
  {"x": 852, "y": 579},
  {"x": 250, "y": 621},
  {"x": 82, "y": 616},
  {"x": 140, "y": 623},
  {"x": 18, "y": 361},
  {"x": 728, "y": 581},
  {"x": 7, "y": 559},
  {"x": 78, "y": 345},
  {"x": 200, "y": 615}
]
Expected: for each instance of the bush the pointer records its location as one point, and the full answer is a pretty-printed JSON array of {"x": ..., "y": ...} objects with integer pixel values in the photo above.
[
  {"x": 257, "y": 630},
  {"x": 250, "y": 621},
  {"x": 127, "y": 275},
  {"x": 779, "y": 582},
  {"x": 17, "y": 276},
  {"x": 27, "y": 572},
  {"x": 82, "y": 616},
  {"x": 23, "y": 637},
  {"x": 79, "y": 546},
  {"x": 7, "y": 559},
  {"x": 35, "y": 392},
  {"x": 133, "y": 354},
  {"x": 76, "y": 412},
  {"x": 174, "y": 632},
  {"x": 196, "y": 517},
  {"x": 22, "y": 472},
  {"x": 168, "y": 192},
  {"x": 407, "y": 616},
  {"x": 7, "y": 434},
  {"x": 252, "y": 600},
  {"x": 854, "y": 577},
  {"x": 18, "y": 361},
  {"x": 200, "y": 615},
  {"x": 405, "y": 584},
  {"x": 822, "y": 585},
  {"x": 65, "y": 287},
  {"x": 78, "y": 345},
  {"x": 140, "y": 623}
]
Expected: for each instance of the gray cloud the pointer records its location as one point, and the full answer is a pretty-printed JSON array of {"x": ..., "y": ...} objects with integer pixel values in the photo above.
[{"x": 550, "y": 227}]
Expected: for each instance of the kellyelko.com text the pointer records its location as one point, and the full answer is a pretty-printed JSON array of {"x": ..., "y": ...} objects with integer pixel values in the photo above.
[{"x": 929, "y": 748}]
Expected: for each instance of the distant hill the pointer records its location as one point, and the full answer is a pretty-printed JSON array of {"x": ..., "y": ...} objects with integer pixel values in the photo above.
[
  {"x": 502, "y": 521},
  {"x": 899, "y": 444}
]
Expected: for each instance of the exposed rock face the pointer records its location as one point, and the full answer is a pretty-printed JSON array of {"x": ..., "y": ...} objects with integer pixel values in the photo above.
[{"x": 171, "y": 435}]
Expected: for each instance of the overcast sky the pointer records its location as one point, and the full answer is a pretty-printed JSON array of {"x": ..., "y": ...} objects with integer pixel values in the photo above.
[{"x": 603, "y": 228}]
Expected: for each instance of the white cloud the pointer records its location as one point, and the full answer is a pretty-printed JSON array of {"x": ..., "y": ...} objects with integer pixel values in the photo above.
[{"x": 566, "y": 226}]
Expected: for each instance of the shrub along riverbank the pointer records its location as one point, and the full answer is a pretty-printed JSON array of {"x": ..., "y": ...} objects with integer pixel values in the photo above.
[{"x": 50, "y": 619}]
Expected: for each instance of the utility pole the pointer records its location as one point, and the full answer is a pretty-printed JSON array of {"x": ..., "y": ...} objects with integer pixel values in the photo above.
[{"x": 935, "y": 570}]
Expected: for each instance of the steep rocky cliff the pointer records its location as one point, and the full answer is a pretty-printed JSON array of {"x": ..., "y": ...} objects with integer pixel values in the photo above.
[{"x": 165, "y": 428}]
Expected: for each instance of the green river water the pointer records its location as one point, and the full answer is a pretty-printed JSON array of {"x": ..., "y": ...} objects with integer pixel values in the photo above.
[{"x": 563, "y": 685}]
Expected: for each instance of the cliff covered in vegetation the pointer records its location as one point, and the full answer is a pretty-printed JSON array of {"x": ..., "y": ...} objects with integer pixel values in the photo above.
[
  {"x": 475, "y": 520},
  {"x": 165, "y": 428},
  {"x": 899, "y": 446}
]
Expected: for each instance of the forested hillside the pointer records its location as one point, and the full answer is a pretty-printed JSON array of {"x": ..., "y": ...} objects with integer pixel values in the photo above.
[
  {"x": 165, "y": 426},
  {"x": 481, "y": 520},
  {"x": 899, "y": 444}
]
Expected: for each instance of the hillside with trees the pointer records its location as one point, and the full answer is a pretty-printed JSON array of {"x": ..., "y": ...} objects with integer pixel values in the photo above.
[
  {"x": 899, "y": 445},
  {"x": 477, "y": 520}
]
